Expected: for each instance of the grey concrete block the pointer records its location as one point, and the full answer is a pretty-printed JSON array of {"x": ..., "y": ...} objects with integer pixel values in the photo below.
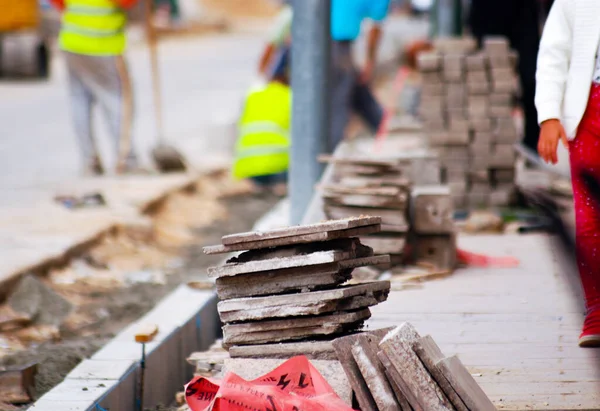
[
  {"x": 478, "y": 107},
  {"x": 503, "y": 175},
  {"x": 459, "y": 125},
  {"x": 504, "y": 156},
  {"x": 456, "y": 113},
  {"x": 439, "y": 250},
  {"x": 433, "y": 89},
  {"x": 454, "y": 173},
  {"x": 386, "y": 244},
  {"x": 478, "y": 76},
  {"x": 500, "y": 111},
  {"x": 432, "y": 77},
  {"x": 395, "y": 217},
  {"x": 502, "y": 196},
  {"x": 505, "y": 86},
  {"x": 483, "y": 138},
  {"x": 454, "y": 62},
  {"x": 312, "y": 303},
  {"x": 455, "y": 45},
  {"x": 453, "y": 76},
  {"x": 432, "y": 210},
  {"x": 501, "y": 74},
  {"x": 478, "y": 199},
  {"x": 496, "y": 45}
]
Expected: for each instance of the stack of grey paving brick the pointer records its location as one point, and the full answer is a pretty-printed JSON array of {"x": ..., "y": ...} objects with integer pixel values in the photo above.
[
  {"x": 373, "y": 187},
  {"x": 466, "y": 106},
  {"x": 287, "y": 286},
  {"x": 433, "y": 235},
  {"x": 398, "y": 370}
]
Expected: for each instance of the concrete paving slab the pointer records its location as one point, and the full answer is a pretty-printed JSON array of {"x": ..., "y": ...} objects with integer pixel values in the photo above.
[{"x": 313, "y": 350}]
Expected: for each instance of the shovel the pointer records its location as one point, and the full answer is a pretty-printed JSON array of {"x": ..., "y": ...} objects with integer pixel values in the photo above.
[{"x": 166, "y": 157}]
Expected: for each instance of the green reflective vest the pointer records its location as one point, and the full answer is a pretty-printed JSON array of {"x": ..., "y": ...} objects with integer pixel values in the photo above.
[
  {"x": 93, "y": 27},
  {"x": 263, "y": 141}
]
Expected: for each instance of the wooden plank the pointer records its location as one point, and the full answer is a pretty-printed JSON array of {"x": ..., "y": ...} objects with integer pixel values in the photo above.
[
  {"x": 464, "y": 384},
  {"x": 344, "y": 224},
  {"x": 299, "y": 239},
  {"x": 364, "y": 352},
  {"x": 430, "y": 354}
]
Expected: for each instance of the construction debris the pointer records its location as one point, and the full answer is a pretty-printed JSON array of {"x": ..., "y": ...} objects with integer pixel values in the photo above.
[
  {"x": 17, "y": 386},
  {"x": 400, "y": 370},
  {"x": 466, "y": 105},
  {"x": 291, "y": 292}
]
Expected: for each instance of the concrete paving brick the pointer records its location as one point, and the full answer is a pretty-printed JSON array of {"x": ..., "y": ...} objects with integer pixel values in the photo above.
[
  {"x": 452, "y": 174},
  {"x": 502, "y": 99},
  {"x": 438, "y": 138},
  {"x": 433, "y": 89},
  {"x": 265, "y": 332},
  {"x": 429, "y": 61},
  {"x": 312, "y": 303},
  {"x": 480, "y": 176},
  {"x": 504, "y": 156},
  {"x": 454, "y": 76},
  {"x": 455, "y": 45},
  {"x": 365, "y": 201},
  {"x": 299, "y": 230},
  {"x": 459, "y": 113},
  {"x": 478, "y": 87},
  {"x": 343, "y": 348},
  {"x": 477, "y": 76},
  {"x": 432, "y": 211},
  {"x": 505, "y": 86},
  {"x": 500, "y": 111},
  {"x": 478, "y": 199},
  {"x": 430, "y": 354},
  {"x": 313, "y": 350},
  {"x": 426, "y": 394},
  {"x": 506, "y": 175},
  {"x": 502, "y": 60},
  {"x": 500, "y": 74},
  {"x": 464, "y": 384},
  {"x": 476, "y": 62},
  {"x": 439, "y": 250},
  {"x": 479, "y": 125},
  {"x": 434, "y": 77},
  {"x": 496, "y": 45},
  {"x": 373, "y": 372},
  {"x": 459, "y": 125},
  {"x": 251, "y": 369}
]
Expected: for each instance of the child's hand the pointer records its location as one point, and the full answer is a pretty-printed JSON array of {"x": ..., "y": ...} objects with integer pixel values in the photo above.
[{"x": 551, "y": 131}]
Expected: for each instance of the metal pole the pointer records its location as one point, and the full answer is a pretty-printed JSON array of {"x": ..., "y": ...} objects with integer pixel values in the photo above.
[
  {"x": 311, "y": 101},
  {"x": 447, "y": 18}
]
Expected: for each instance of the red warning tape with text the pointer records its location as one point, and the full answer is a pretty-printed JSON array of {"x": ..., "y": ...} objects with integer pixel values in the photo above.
[{"x": 295, "y": 385}]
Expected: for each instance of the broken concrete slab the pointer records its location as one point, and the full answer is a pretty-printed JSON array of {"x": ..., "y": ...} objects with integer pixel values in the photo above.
[
  {"x": 464, "y": 384},
  {"x": 430, "y": 354},
  {"x": 264, "y": 332},
  {"x": 391, "y": 181},
  {"x": 364, "y": 352},
  {"x": 427, "y": 393},
  {"x": 282, "y": 281},
  {"x": 344, "y": 224},
  {"x": 251, "y": 369},
  {"x": 363, "y": 161},
  {"x": 389, "y": 191},
  {"x": 38, "y": 301},
  {"x": 385, "y": 244},
  {"x": 343, "y": 348},
  {"x": 350, "y": 245},
  {"x": 313, "y": 350},
  {"x": 312, "y": 303},
  {"x": 365, "y": 201},
  {"x": 299, "y": 239},
  {"x": 17, "y": 386},
  {"x": 432, "y": 210},
  {"x": 318, "y": 258},
  {"x": 388, "y": 217}
]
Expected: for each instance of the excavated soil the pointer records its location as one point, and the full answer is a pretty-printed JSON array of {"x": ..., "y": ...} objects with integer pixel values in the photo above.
[{"x": 124, "y": 276}]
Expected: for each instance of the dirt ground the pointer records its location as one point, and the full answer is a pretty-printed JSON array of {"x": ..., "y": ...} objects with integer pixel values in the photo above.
[{"x": 105, "y": 307}]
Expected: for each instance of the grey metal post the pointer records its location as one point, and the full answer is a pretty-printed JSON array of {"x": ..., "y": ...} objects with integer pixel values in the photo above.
[{"x": 310, "y": 113}]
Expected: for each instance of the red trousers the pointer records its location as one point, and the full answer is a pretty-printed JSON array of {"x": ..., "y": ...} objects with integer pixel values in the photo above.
[{"x": 584, "y": 152}]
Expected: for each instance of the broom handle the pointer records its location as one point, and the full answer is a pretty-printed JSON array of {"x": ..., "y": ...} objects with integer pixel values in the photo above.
[{"x": 153, "y": 48}]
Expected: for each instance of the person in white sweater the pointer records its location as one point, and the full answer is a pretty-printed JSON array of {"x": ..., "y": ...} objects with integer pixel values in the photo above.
[{"x": 568, "y": 103}]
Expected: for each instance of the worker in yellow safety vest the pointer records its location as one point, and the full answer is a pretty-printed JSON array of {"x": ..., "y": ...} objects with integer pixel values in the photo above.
[
  {"x": 93, "y": 40},
  {"x": 262, "y": 147}
]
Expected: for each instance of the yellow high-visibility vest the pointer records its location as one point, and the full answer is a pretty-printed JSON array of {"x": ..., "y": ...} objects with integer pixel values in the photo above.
[
  {"x": 263, "y": 141},
  {"x": 93, "y": 27}
]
